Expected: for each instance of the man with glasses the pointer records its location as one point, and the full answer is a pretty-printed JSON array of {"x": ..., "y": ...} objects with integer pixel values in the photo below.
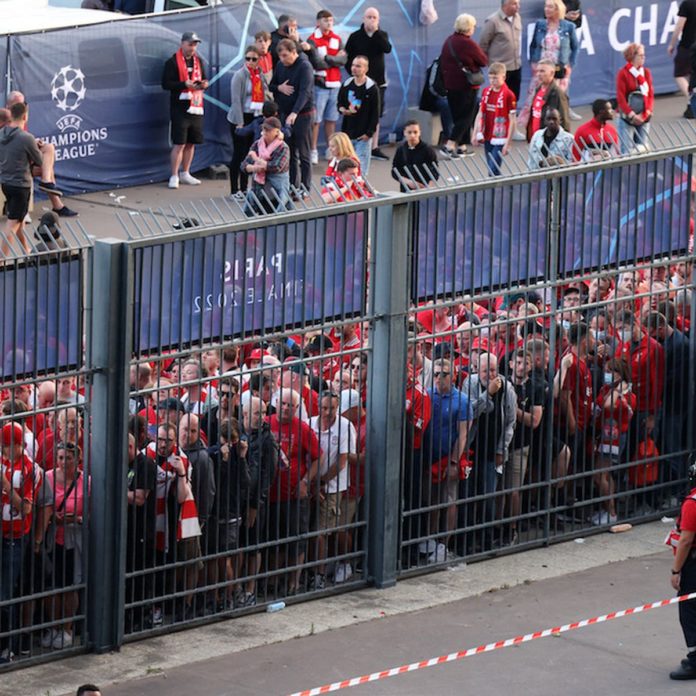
[
  {"x": 446, "y": 441},
  {"x": 228, "y": 407}
]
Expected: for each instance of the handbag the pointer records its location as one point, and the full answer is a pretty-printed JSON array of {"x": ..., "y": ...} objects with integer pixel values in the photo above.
[
  {"x": 636, "y": 102},
  {"x": 475, "y": 78}
]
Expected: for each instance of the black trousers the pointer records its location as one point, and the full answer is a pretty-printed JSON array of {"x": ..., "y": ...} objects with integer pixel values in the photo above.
[
  {"x": 300, "y": 146},
  {"x": 240, "y": 149},
  {"x": 463, "y": 105},
  {"x": 687, "y": 610},
  {"x": 513, "y": 79}
]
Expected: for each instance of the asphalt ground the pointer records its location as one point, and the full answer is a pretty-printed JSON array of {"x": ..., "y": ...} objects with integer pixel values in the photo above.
[{"x": 116, "y": 212}]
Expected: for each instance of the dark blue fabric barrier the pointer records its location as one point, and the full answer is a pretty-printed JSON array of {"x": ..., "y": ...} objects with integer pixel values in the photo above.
[
  {"x": 95, "y": 90},
  {"x": 261, "y": 279},
  {"x": 41, "y": 316}
]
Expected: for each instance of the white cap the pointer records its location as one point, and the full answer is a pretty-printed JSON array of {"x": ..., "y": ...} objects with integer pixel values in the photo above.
[{"x": 349, "y": 399}]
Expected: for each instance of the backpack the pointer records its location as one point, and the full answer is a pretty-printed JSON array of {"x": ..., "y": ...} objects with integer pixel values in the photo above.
[{"x": 434, "y": 87}]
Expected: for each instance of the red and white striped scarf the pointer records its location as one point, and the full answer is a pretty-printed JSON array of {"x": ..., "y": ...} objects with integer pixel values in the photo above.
[
  {"x": 639, "y": 74},
  {"x": 194, "y": 95},
  {"x": 187, "y": 524}
]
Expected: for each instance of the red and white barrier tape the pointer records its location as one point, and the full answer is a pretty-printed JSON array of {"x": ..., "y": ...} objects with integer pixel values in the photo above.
[{"x": 452, "y": 657}]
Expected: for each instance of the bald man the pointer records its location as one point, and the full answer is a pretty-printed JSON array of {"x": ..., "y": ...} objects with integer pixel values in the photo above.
[
  {"x": 46, "y": 171},
  {"x": 373, "y": 43}
]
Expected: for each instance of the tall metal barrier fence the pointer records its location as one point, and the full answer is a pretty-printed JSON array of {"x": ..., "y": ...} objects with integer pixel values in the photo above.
[{"x": 201, "y": 422}]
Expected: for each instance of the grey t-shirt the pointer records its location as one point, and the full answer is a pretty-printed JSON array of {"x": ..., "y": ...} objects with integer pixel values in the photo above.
[{"x": 18, "y": 151}]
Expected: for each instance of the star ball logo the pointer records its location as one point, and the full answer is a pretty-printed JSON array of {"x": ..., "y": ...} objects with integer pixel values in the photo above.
[{"x": 68, "y": 91}]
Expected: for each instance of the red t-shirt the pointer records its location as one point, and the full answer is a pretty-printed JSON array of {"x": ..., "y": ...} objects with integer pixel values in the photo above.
[
  {"x": 496, "y": 108},
  {"x": 311, "y": 400},
  {"x": 299, "y": 445},
  {"x": 20, "y": 474},
  {"x": 687, "y": 516},
  {"x": 647, "y": 361},
  {"x": 417, "y": 410},
  {"x": 613, "y": 420},
  {"x": 536, "y": 111},
  {"x": 578, "y": 381}
]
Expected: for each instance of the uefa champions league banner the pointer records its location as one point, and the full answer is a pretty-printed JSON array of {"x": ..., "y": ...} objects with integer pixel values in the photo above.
[
  {"x": 40, "y": 316},
  {"x": 95, "y": 91},
  {"x": 245, "y": 282}
]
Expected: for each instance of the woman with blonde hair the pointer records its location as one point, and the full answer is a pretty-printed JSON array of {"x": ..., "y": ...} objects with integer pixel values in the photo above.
[{"x": 340, "y": 147}]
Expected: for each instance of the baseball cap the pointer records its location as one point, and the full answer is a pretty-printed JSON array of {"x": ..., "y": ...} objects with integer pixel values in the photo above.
[
  {"x": 256, "y": 354},
  {"x": 295, "y": 365},
  {"x": 320, "y": 344},
  {"x": 481, "y": 344},
  {"x": 171, "y": 404},
  {"x": 349, "y": 399},
  {"x": 271, "y": 122},
  {"x": 12, "y": 434},
  {"x": 190, "y": 37}
]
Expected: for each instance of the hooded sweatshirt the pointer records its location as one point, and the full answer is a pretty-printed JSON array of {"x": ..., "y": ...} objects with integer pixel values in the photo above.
[{"x": 18, "y": 151}]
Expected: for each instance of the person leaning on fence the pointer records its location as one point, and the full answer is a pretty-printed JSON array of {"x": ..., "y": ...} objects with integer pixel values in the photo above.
[
  {"x": 184, "y": 78},
  {"x": 635, "y": 97},
  {"x": 415, "y": 162},
  {"x": 347, "y": 185},
  {"x": 682, "y": 539},
  {"x": 340, "y": 147},
  {"x": 461, "y": 61},
  {"x": 268, "y": 162},
  {"x": 597, "y": 139},
  {"x": 552, "y": 146},
  {"x": 18, "y": 153},
  {"x": 496, "y": 119}
]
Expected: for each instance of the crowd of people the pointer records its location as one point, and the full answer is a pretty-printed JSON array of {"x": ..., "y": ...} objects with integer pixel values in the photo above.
[{"x": 247, "y": 464}]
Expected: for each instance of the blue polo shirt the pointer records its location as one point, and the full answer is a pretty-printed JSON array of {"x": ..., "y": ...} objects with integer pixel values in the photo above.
[{"x": 447, "y": 411}]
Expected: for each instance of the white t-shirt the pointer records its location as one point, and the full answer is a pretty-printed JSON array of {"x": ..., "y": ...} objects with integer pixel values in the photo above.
[{"x": 339, "y": 439}]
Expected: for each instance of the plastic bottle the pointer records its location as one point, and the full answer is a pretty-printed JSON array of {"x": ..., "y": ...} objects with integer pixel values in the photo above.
[{"x": 275, "y": 606}]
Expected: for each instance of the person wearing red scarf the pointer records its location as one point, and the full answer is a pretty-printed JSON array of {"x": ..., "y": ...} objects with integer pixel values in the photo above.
[
  {"x": 635, "y": 97},
  {"x": 184, "y": 78}
]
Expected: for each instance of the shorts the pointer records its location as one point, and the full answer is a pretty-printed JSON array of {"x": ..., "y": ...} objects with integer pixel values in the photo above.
[
  {"x": 442, "y": 492},
  {"x": 189, "y": 550},
  {"x": 289, "y": 519},
  {"x": 63, "y": 567},
  {"x": 329, "y": 511},
  {"x": 382, "y": 95},
  {"x": 516, "y": 468},
  {"x": 16, "y": 201},
  {"x": 348, "y": 509},
  {"x": 682, "y": 62},
  {"x": 326, "y": 106},
  {"x": 252, "y": 536},
  {"x": 222, "y": 535},
  {"x": 186, "y": 129}
]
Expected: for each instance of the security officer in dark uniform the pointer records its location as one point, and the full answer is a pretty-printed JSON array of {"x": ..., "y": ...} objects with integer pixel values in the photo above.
[{"x": 684, "y": 575}]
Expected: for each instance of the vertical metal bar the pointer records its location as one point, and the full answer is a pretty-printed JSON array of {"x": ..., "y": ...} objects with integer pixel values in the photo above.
[
  {"x": 386, "y": 391},
  {"x": 111, "y": 340}
]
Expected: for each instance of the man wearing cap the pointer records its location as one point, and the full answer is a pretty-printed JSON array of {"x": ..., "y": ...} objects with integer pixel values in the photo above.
[
  {"x": 17, "y": 478},
  {"x": 184, "y": 78},
  {"x": 48, "y": 235},
  {"x": 298, "y": 464}
]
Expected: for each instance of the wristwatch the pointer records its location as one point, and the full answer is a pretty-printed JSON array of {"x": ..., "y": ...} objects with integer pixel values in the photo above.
[{"x": 676, "y": 572}]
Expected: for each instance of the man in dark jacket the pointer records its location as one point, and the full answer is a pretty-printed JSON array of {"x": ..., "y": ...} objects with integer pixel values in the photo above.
[
  {"x": 548, "y": 95},
  {"x": 415, "y": 162},
  {"x": 373, "y": 43},
  {"x": 263, "y": 462},
  {"x": 293, "y": 88},
  {"x": 18, "y": 152}
]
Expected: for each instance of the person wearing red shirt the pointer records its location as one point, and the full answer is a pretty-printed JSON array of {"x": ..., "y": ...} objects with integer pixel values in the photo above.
[
  {"x": 635, "y": 97},
  {"x": 683, "y": 539},
  {"x": 17, "y": 478},
  {"x": 573, "y": 390},
  {"x": 496, "y": 119},
  {"x": 547, "y": 95},
  {"x": 614, "y": 409},
  {"x": 298, "y": 463},
  {"x": 69, "y": 429},
  {"x": 597, "y": 139},
  {"x": 347, "y": 184}
]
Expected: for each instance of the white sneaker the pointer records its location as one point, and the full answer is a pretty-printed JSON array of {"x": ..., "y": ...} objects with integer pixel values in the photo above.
[
  {"x": 314, "y": 156},
  {"x": 157, "y": 617},
  {"x": 427, "y": 547},
  {"x": 48, "y": 638},
  {"x": 344, "y": 572},
  {"x": 63, "y": 639},
  {"x": 173, "y": 182},
  {"x": 574, "y": 116},
  {"x": 186, "y": 178},
  {"x": 439, "y": 555},
  {"x": 520, "y": 137}
]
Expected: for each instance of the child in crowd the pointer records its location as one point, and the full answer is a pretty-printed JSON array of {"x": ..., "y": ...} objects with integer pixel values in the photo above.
[{"x": 496, "y": 119}]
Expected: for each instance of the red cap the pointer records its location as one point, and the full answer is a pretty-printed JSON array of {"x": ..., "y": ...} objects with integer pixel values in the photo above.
[
  {"x": 12, "y": 434},
  {"x": 480, "y": 344},
  {"x": 256, "y": 354}
]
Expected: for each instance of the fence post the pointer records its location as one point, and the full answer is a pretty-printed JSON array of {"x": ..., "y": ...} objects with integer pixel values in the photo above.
[
  {"x": 110, "y": 357},
  {"x": 390, "y": 275}
]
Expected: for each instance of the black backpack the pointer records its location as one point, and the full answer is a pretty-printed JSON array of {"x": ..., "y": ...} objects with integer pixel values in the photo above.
[{"x": 433, "y": 88}]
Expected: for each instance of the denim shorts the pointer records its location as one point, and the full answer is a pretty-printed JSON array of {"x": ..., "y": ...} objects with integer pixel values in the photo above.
[{"x": 326, "y": 104}]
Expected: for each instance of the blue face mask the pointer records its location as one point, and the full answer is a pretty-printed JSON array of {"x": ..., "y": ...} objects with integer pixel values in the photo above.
[
  {"x": 600, "y": 335},
  {"x": 609, "y": 378},
  {"x": 566, "y": 324}
]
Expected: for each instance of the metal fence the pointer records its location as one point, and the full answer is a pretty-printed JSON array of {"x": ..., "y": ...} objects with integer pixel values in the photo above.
[{"x": 448, "y": 374}]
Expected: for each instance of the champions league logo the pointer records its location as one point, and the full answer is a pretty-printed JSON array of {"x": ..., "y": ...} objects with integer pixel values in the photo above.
[{"x": 68, "y": 88}]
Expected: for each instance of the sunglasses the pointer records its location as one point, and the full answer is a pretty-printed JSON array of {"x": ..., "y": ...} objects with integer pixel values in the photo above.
[
  {"x": 251, "y": 59},
  {"x": 444, "y": 374}
]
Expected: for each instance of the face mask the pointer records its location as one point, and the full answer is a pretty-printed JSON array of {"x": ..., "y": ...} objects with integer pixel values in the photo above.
[
  {"x": 566, "y": 324},
  {"x": 626, "y": 335},
  {"x": 676, "y": 280},
  {"x": 608, "y": 378},
  {"x": 484, "y": 332},
  {"x": 600, "y": 335}
]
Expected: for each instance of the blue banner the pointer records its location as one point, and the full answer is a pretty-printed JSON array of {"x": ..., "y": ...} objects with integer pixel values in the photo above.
[
  {"x": 251, "y": 281},
  {"x": 40, "y": 316},
  {"x": 625, "y": 215},
  {"x": 474, "y": 241}
]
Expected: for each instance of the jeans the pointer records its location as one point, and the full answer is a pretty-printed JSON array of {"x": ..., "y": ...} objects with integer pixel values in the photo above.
[
  {"x": 630, "y": 136},
  {"x": 494, "y": 158},
  {"x": 445, "y": 117},
  {"x": 363, "y": 149}
]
